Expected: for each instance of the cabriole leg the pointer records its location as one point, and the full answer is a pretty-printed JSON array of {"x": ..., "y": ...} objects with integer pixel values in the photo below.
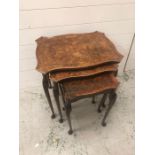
[
  {"x": 93, "y": 100},
  {"x": 112, "y": 99},
  {"x": 102, "y": 103},
  {"x": 56, "y": 95},
  {"x": 45, "y": 87},
  {"x": 68, "y": 111},
  {"x": 49, "y": 84},
  {"x": 116, "y": 72}
]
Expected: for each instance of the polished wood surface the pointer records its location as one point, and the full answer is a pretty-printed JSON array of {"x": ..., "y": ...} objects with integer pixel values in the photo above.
[
  {"x": 63, "y": 75},
  {"x": 75, "y": 88},
  {"x": 75, "y": 51}
]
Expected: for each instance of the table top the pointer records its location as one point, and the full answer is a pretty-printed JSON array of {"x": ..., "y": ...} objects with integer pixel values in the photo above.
[
  {"x": 74, "y": 51},
  {"x": 75, "y": 89},
  {"x": 63, "y": 75}
]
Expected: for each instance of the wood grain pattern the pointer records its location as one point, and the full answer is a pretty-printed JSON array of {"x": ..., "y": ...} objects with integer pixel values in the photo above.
[
  {"x": 88, "y": 86},
  {"x": 75, "y": 51},
  {"x": 63, "y": 75}
]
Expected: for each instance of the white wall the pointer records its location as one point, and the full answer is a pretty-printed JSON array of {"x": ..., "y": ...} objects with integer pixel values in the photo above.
[{"x": 53, "y": 17}]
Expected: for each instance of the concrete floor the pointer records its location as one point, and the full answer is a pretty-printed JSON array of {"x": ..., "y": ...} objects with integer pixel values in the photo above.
[{"x": 39, "y": 135}]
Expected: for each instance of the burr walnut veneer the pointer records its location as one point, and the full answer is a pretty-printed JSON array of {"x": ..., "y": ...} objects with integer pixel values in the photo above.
[
  {"x": 58, "y": 76},
  {"x": 75, "y": 51},
  {"x": 80, "y": 65},
  {"x": 75, "y": 89}
]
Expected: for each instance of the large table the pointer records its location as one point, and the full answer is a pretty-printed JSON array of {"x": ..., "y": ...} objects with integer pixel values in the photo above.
[{"x": 71, "y": 56}]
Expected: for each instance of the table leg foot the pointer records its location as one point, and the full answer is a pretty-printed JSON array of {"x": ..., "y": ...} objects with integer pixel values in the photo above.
[
  {"x": 93, "y": 100},
  {"x": 63, "y": 108},
  {"x": 61, "y": 120},
  {"x": 99, "y": 110},
  {"x": 104, "y": 124},
  {"x": 103, "y": 106},
  {"x": 53, "y": 116},
  {"x": 70, "y": 132}
]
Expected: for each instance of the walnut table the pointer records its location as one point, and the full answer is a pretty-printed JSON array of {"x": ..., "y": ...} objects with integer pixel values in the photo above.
[{"x": 73, "y": 56}]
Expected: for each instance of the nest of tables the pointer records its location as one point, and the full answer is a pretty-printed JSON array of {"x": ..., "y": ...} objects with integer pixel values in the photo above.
[{"x": 79, "y": 65}]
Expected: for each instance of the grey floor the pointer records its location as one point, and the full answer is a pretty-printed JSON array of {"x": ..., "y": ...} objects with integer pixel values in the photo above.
[{"x": 40, "y": 135}]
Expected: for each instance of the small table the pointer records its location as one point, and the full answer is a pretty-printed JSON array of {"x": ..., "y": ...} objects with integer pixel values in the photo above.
[
  {"x": 73, "y": 56},
  {"x": 59, "y": 76},
  {"x": 75, "y": 89}
]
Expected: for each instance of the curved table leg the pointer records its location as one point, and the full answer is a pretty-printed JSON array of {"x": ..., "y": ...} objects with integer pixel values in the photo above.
[
  {"x": 45, "y": 86},
  {"x": 49, "y": 84},
  {"x": 102, "y": 103},
  {"x": 56, "y": 95},
  {"x": 112, "y": 98},
  {"x": 68, "y": 111},
  {"x": 93, "y": 100},
  {"x": 116, "y": 72}
]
